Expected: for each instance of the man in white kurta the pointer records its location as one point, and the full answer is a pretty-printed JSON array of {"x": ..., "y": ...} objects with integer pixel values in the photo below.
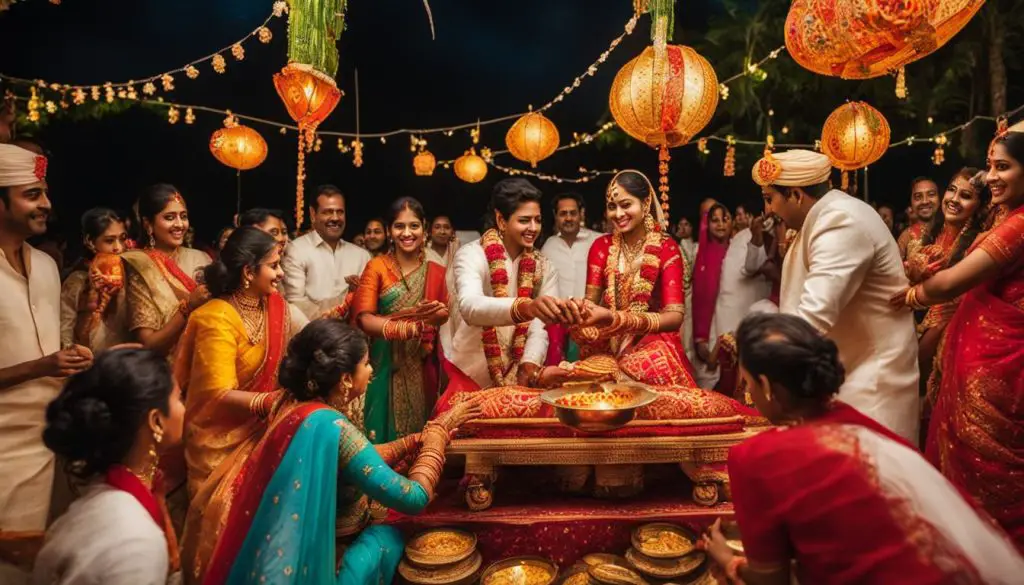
[
  {"x": 474, "y": 306},
  {"x": 31, "y": 358},
  {"x": 839, "y": 274},
  {"x": 320, "y": 266}
]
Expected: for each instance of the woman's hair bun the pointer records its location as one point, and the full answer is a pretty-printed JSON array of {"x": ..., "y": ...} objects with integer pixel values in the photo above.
[
  {"x": 318, "y": 356},
  {"x": 93, "y": 422}
]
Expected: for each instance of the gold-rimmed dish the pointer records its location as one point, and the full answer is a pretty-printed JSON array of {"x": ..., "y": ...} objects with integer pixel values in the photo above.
[
  {"x": 597, "y": 408},
  {"x": 576, "y": 575},
  {"x": 520, "y": 571},
  {"x": 661, "y": 540},
  {"x": 440, "y": 546},
  {"x": 594, "y": 559},
  {"x": 666, "y": 568},
  {"x": 455, "y": 573}
]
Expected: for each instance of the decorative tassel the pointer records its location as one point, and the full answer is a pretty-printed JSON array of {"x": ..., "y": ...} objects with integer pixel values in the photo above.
[
  {"x": 939, "y": 156},
  {"x": 729, "y": 170},
  {"x": 357, "y": 153},
  {"x": 300, "y": 178},
  {"x": 663, "y": 158},
  {"x": 663, "y": 19},
  {"x": 901, "y": 83},
  {"x": 845, "y": 184}
]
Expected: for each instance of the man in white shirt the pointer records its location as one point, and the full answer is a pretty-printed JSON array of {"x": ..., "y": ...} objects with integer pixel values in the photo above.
[
  {"x": 839, "y": 274},
  {"x": 567, "y": 251},
  {"x": 319, "y": 267},
  {"x": 31, "y": 359},
  {"x": 516, "y": 207}
]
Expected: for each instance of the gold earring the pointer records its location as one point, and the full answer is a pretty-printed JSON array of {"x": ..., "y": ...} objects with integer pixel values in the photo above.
[
  {"x": 152, "y": 240},
  {"x": 248, "y": 282}
]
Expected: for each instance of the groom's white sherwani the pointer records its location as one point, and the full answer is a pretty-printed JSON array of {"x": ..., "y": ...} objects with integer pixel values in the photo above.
[{"x": 839, "y": 275}]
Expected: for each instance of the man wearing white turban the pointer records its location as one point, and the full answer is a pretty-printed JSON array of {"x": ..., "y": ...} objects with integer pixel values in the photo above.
[
  {"x": 839, "y": 274},
  {"x": 31, "y": 359}
]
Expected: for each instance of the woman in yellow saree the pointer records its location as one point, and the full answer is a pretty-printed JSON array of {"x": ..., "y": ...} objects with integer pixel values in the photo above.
[
  {"x": 227, "y": 366},
  {"x": 400, "y": 301},
  {"x": 161, "y": 278}
]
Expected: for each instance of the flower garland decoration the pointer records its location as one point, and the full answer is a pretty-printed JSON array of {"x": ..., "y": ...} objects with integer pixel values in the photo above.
[
  {"x": 504, "y": 374},
  {"x": 649, "y": 268}
]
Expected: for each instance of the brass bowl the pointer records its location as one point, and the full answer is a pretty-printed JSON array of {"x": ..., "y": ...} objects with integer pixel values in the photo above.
[
  {"x": 519, "y": 571},
  {"x": 603, "y": 418},
  {"x": 662, "y": 540},
  {"x": 440, "y": 546}
]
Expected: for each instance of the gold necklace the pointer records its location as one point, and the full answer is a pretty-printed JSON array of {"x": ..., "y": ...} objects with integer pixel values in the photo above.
[
  {"x": 629, "y": 252},
  {"x": 253, "y": 315}
]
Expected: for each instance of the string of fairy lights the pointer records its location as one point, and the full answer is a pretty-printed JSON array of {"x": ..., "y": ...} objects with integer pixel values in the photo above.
[{"x": 151, "y": 85}]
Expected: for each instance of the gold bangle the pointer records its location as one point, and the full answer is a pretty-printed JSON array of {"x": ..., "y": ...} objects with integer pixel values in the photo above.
[{"x": 516, "y": 311}]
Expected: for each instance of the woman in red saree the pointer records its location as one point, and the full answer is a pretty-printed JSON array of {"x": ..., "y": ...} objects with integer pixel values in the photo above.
[
  {"x": 227, "y": 365},
  {"x": 635, "y": 289},
  {"x": 848, "y": 500},
  {"x": 976, "y": 435},
  {"x": 400, "y": 302}
]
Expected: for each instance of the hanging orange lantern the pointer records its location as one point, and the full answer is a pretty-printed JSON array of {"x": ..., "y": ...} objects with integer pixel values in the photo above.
[
  {"x": 854, "y": 136},
  {"x": 860, "y": 39},
  {"x": 423, "y": 163},
  {"x": 470, "y": 167},
  {"x": 308, "y": 95},
  {"x": 532, "y": 138},
  {"x": 663, "y": 98},
  {"x": 239, "y": 147}
]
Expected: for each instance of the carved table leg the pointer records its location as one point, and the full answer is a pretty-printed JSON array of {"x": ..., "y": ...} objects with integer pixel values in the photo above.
[
  {"x": 710, "y": 482},
  {"x": 480, "y": 477}
]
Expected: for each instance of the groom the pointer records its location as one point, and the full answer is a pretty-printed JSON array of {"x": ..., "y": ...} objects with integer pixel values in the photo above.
[{"x": 839, "y": 274}]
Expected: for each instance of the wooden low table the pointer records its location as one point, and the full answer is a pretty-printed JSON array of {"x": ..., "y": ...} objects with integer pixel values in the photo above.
[{"x": 701, "y": 457}]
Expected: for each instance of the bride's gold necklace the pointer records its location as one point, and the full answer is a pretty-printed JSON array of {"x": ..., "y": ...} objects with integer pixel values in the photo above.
[
  {"x": 629, "y": 252},
  {"x": 253, "y": 314}
]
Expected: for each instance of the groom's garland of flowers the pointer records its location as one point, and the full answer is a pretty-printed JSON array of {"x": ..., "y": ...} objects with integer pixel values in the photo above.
[{"x": 501, "y": 373}]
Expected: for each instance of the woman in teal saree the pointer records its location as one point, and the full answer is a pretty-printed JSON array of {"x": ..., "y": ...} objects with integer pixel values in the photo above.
[{"x": 301, "y": 511}]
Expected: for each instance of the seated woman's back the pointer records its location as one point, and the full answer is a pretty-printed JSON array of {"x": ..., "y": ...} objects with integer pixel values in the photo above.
[
  {"x": 846, "y": 498},
  {"x": 853, "y": 505},
  {"x": 106, "y": 536},
  {"x": 110, "y": 424}
]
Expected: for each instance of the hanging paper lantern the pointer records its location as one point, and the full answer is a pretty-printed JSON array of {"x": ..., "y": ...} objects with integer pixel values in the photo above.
[
  {"x": 860, "y": 39},
  {"x": 423, "y": 163},
  {"x": 664, "y": 100},
  {"x": 470, "y": 167},
  {"x": 239, "y": 147},
  {"x": 664, "y": 97},
  {"x": 532, "y": 138},
  {"x": 308, "y": 95},
  {"x": 854, "y": 136}
]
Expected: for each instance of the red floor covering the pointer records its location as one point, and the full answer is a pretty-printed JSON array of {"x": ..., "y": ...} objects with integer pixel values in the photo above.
[{"x": 527, "y": 519}]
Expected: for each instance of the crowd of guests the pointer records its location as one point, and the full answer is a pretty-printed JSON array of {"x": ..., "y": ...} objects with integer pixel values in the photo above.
[{"x": 231, "y": 415}]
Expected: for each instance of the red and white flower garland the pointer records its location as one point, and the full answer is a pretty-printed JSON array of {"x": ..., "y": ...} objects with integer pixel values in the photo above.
[{"x": 502, "y": 373}]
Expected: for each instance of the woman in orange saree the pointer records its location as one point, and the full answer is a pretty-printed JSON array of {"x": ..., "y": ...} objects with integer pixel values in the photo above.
[
  {"x": 976, "y": 436},
  {"x": 400, "y": 301},
  {"x": 635, "y": 290},
  {"x": 227, "y": 364}
]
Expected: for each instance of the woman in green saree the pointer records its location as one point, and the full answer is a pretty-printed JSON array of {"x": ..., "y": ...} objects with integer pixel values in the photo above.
[{"x": 400, "y": 302}]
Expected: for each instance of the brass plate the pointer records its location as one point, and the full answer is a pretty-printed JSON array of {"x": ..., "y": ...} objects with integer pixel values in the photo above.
[
  {"x": 661, "y": 540},
  {"x": 665, "y": 568},
  {"x": 440, "y": 546},
  {"x": 520, "y": 571},
  {"x": 440, "y": 575}
]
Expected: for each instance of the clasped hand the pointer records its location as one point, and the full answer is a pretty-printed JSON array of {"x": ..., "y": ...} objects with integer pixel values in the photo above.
[
  {"x": 430, "y": 312},
  {"x": 571, "y": 312}
]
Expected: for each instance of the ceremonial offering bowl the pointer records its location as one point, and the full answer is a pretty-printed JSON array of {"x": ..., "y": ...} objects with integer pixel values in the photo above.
[
  {"x": 661, "y": 540},
  {"x": 440, "y": 546},
  {"x": 520, "y": 571},
  {"x": 459, "y": 573},
  {"x": 597, "y": 408}
]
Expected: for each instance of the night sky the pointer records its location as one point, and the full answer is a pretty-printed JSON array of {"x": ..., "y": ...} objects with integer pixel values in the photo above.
[{"x": 490, "y": 58}]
